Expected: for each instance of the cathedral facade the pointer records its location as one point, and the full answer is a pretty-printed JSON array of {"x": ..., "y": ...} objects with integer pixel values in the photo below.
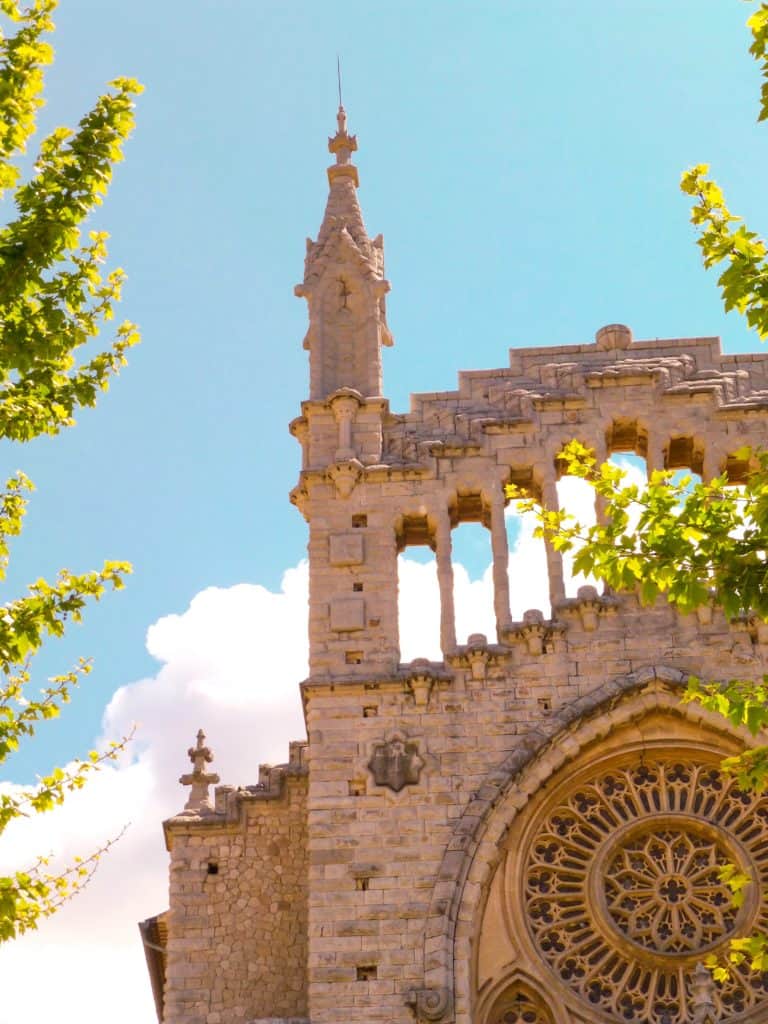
[{"x": 532, "y": 829}]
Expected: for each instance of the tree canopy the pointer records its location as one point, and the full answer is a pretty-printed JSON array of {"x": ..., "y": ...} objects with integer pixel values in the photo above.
[{"x": 55, "y": 298}]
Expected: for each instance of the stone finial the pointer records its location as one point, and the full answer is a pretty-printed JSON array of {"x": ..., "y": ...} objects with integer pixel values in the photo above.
[
  {"x": 703, "y": 996},
  {"x": 613, "y": 336},
  {"x": 342, "y": 145},
  {"x": 199, "y": 801}
]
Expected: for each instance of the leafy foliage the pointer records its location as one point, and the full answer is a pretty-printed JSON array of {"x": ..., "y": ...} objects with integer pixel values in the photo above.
[
  {"x": 723, "y": 237},
  {"x": 54, "y": 299},
  {"x": 694, "y": 542}
]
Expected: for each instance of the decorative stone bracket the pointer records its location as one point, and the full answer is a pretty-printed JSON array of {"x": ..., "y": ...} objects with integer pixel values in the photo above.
[
  {"x": 345, "y": 475},
  {"x": 758, "y": 629},
  {"x": 476, "y": 655},
  {"x": 534, "y": 630},
  {"x": 430, "y": 1004},
  {"x": 589, "y": 605},
  {"x": 422, "y": 678}
]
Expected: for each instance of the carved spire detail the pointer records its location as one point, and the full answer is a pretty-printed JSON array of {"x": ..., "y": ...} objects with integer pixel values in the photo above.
[
  {"x": 344, "y": 285},
  {"x": 703, "y": 997}
]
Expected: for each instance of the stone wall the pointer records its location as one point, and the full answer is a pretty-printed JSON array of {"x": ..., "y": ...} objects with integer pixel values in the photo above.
[
  {"x": 389, "y": 853},
  {"x": 237, "y": 940},
  {"x": 388, "y": 869}
]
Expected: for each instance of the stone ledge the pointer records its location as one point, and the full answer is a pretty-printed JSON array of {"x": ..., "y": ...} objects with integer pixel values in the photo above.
[
  {"x": 279, "y": 1020},
  {"x": 229, "y": 801}
]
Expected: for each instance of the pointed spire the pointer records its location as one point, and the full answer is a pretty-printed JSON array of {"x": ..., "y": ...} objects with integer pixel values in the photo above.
[
  {"x": 344, "y": 285},
  {"x": 343, "y": 208}
]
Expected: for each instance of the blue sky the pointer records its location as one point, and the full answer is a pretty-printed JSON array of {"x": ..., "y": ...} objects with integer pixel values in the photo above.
[{"x": 522, "y": 161}]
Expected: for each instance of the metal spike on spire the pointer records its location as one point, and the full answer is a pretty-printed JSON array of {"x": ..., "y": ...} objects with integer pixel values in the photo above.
[{"x": 338, "y": 76}]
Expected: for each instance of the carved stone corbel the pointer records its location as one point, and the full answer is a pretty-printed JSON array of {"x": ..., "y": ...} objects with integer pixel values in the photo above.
[
  {"x": 421, "y": 687},
  {"x": 533, "y": 631},
  {"x": 478, "y": 656},
  {"x": 345, "y": 475},
  {"x": 430, "y": 1004},
  {"x": 589, "y": 607}
]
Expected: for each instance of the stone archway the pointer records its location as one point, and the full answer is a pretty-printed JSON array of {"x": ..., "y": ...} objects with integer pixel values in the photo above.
[
  {"x": 519, "y": 1001},
  {"x": 478, "y": 844},
  {"x": 608, "y": 887}
]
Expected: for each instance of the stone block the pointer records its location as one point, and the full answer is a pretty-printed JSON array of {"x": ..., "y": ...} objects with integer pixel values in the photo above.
[
  {"x": 347, "y": 614},
  {"x": 346, "y": 548}
]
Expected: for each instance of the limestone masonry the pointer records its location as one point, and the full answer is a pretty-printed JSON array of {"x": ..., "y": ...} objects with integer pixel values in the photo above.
[{"x": 532, "y": 829}]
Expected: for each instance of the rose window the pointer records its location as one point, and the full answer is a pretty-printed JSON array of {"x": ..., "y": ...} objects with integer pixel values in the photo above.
[
  {"x": 623, "y": 893},
  {"x": 663, "y": 890}
]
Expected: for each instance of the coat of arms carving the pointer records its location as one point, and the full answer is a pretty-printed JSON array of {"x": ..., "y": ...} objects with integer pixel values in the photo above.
[{"x": 395, "y": 763}]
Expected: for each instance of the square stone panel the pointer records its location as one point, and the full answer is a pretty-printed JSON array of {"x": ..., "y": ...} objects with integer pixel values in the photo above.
[
  {"x": 346, "y": 548},
  {"x": 347, "y": 614}
]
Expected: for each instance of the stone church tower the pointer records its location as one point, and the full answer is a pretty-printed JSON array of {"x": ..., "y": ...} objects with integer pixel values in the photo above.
[{"x": 529, "y": 831}]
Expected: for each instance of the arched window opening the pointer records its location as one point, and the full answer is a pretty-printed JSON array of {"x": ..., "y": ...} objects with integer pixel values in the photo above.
[
  {"x": 685, "y": 453},
  {"x": 473, "y": 581},
  {"x": 627, "y": 447},
  {"x": 626, "y": 435},
  {"x": 737, "y": 468},
  {"x": 519, "y": 1007},
  {"x": 634, "y": 466},
  {"x": 576, "y": 497},
  {"x": 472, "y": 558},
  {"x": 418, "y": 605},
  {"x": 527, "y": 568}
]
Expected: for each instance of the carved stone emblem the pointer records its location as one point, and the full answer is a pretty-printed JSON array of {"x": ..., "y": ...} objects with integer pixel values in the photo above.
[{"x": 396, "y": 763}]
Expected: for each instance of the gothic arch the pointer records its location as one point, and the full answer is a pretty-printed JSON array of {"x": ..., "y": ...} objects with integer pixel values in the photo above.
[
  {"x": 474, "y": 851},
  {"x": 519, "y": 999}
]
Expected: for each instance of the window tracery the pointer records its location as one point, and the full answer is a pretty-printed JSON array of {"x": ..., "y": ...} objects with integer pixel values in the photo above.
[
  {"x": 520, "y": 1008},
  {"x": 623, "y": 894}
]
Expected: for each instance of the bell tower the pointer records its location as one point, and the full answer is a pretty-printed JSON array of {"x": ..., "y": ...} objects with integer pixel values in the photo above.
[{"x": 352, "y": 545}]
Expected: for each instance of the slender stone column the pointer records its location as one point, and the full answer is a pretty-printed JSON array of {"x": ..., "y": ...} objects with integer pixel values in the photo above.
[
  {"x": 601, "y": 455},
  {"x": 344, "y": 409},
  {"x": 713, "y": 463},
  {"x": 445, "y": 581},
  {"x": 554, "y": 558},
  {"x": 500, "y": 550},
  {"x": 654, "y": 458}
]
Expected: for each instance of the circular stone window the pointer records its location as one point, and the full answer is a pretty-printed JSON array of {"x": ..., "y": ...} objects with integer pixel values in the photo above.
[{"x": 623, "y": 890}]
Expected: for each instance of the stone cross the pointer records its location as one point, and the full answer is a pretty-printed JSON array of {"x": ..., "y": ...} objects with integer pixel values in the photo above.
[
  {"x": 199, "y": 801},
  {"x": 703, "y": 997}
]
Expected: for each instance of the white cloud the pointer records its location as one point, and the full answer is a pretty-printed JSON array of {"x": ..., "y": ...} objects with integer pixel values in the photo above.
[{"x": 230, "y": 663}]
